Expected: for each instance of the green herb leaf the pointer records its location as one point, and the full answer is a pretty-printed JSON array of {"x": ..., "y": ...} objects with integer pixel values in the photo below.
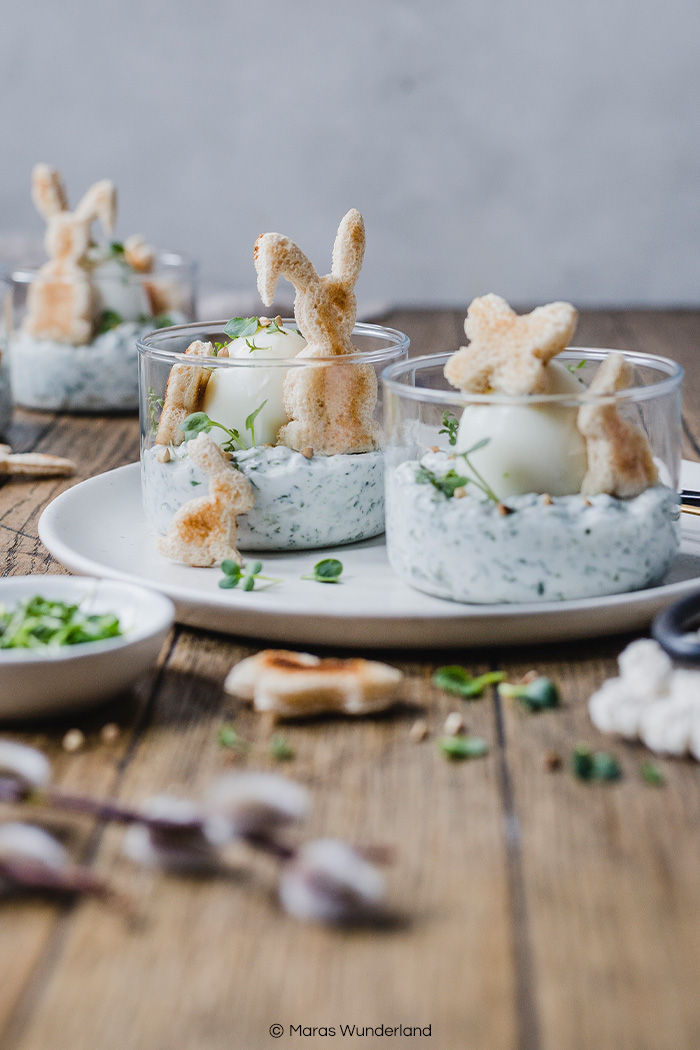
[
  {"x": 457, "y": 680},
  {"x": 459, "y": 747},
  {"x": 598, "y": 765},
  {"x": 450, "y": 426},
  {"x": 280, "y": 750},
  {"x": 229, "y": 738},
  {"x": 536, "y": 695},
  {"x": 651, "y": 774},
  {"x": 116, "y": 248},
  {"x": 575, "y": 368},
  {"x": 245, "y": 576},
  {"x": 241, "y": 326},
  {"x": 42, "y": 623},
  {"x": 445, "y": 483},
  {"x": 163, "y": 321},
  {"x": 109, "y": 319},
  {"x": 328, "y": 570},
  {"x": 250, "y": 421}
]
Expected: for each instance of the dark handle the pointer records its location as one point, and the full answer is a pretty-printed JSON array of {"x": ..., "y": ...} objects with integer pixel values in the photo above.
[{"x": 671, "y": 631}]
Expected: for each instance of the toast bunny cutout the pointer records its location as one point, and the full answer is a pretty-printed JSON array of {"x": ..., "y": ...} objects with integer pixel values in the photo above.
[
  {"x": 62, "y": 303},
  {"x": 204, "y": 530},
  {"x": 330, "y": 407},
  {"x": 620, "y": 461}
]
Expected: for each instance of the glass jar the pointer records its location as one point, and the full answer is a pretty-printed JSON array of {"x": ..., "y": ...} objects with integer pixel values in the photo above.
[
  {"x": 484, "y": 491},
  {"x": 73, "y": 341},
  {"x": 305, "y": 498},
  {"x": 5, "y": 386}
]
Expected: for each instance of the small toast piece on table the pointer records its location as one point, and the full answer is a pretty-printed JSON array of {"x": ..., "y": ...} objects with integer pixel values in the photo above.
[
  {"x": 509, "y": 353},
  {"x": 34, "y": 464},
  {"x": 620, "y": 462},
  {"x": 295, "y": 685},
  {"x": 184, "y": 394}
]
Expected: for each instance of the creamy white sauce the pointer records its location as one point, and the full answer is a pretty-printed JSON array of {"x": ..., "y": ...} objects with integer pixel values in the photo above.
[
  {"x": 101, "y": 375},
  {"x": 466, "y": 550},
  {"x": 299, "y": 503}
]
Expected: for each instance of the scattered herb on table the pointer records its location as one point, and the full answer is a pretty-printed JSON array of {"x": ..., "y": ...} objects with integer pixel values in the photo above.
[
  {"x": 459, "y": 682},
  {"x": 280, "y": 749},
  {"x": 450, "y": 426},
  {"x": 109, "y": 319},
  {"x": 594, "y": 765},
  {"x": 536, "y": 695},
  {"x": 651, "y": 774},
  {"x": 328, "y": 570},
  {"x": 245, "y": 576},
  {"x": 460, "y": 747},
  {"x": 39, "y": 623},
  {"x": 228, "y": 737}
]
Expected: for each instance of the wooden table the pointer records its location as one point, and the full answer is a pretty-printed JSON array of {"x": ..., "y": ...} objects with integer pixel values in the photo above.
[{"x": 534, "y": 911}]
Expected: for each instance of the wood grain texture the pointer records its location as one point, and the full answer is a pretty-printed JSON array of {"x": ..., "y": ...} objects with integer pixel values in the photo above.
[{"x": 531, "y": 912}]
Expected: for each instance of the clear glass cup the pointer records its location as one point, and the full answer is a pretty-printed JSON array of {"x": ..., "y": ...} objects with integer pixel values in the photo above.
[
  {"x": 508, "y": 523},
  {"x": 303, "y": 500},
  {"x": 97, "y": 371},
  {"x": 5, "y": 385}
]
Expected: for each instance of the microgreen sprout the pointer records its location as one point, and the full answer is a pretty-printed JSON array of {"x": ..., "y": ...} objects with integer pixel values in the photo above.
[
  {"x": 245, "y": 576},
  {"x": 218, "y": 347},
  {"x": 250, "y": 421},
  {"x": 460, "y": 747},
  {"x": 449, "y": 482},
  {"x": 250, "y": 343},
  {"x": 576, "y": 368},
  {"x": 227, "y": 737},
  {"x": 155, "y": 407},
  {"x": 280, "y": 749},
  {"x": 116, "y": 248},
  {"x": 450, "y": 426},
  {"x": 535, "y": 695},
  {"x": 109, "y": 319},
  {"x": 199, "y": 422},
  {"x": 328, "y": 570},
  {"x": 594, "y": 765},
  {"x": 651, "y": 774},
  {"x": 242, "y": 326},
  {"x": 459, "y": 682},
  {"x": 38, "y": 623}
]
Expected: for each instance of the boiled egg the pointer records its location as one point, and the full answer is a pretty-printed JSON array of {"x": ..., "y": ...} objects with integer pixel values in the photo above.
[
  {"x": 121, "y": 290},
  {"x": 234, "y": 393},
  {"x": 529, "y": 448}
]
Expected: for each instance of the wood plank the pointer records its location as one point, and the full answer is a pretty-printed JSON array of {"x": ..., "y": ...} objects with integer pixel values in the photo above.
[{"x": 447, "y": 961}]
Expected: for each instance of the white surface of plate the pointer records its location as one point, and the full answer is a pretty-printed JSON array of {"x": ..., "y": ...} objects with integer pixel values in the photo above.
[{"x": 98, "y": 528}]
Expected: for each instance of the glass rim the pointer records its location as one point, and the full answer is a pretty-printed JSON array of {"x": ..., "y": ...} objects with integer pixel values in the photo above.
[
  {"x": 17, "y": 272},
  {"x": 672, "y": 381},
  {"x": 398, "y": 344}
]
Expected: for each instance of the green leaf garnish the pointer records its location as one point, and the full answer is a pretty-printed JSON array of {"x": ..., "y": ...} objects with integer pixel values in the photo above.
[
  {"x": 459, "y": 747},
  {"x": 116, "y": 248},
  {"x": 459, "y": 682},
  {"x": 598, "y": 765},
  {"x": 109, "y": 319},
  {"x": 218, "y": 347},
  {"x": 241, "y": 326},
  {"x": 245, "y": 576},
  {"x": 328, "y": 570},
  {"x": 536, "y": 695},
  {"x": 280, "y": 750},
  {"x": 250, "y": 421},
  {"x": 651, "y": 774},
  {"x": 229, "y": 738},
  {"x": 41, "y": 623},
  {"x": 155, "y": 407},
  {"x": 445, "y": 483},
  {"x": 251, "y": 345},
  {"x": 163, "y": 321},
  {"x": 575, "y": 368},
  {"x": 199, "y": 422},
  {"x": 450, "y": 426}
]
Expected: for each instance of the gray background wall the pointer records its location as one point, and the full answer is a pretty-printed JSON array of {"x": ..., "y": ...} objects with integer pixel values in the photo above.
[{"x": 548, "y": 149}]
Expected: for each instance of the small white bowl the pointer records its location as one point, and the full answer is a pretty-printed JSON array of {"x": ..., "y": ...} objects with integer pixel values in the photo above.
[{"x": 37, "y": 682}]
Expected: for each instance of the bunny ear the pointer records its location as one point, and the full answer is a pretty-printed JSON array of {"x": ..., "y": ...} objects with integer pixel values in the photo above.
[
  {"x": 100, "y": 202},
  {"x": 48, "y": 193},
  {"x": 276, "y": 256},
  {"x": 349, "y": 248}
]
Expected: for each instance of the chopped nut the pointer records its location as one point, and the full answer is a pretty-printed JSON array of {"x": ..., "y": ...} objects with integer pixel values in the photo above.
[
  {"x": 223, "y": 352},
  {"x": 264, "y": 322},
  {"x": 454, "y": 724},
  {"x": 278, "y": 320},
  {"x": 307, "y": 452},
  {"x": 587, "y": 503},
  {"x": 434, "y": 448},
  {"x": 503, "y": 510},
  {"x": 547, "y": 500},
  {"x": 460, "y": 492},
  {"x": 418, "y": 731},
  {"x": 73, "y": 740},
  {"x": 529, "y": 676},
  {"x": 109, "y": 733},
  {"x": 552, "y": 761},
  {"x": 163, "y": 454}
]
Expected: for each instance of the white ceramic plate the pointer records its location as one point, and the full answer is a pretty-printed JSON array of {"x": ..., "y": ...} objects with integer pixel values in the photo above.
[
  {"x": 45, "y": 682},
  {"x": 98, "y": 527}
]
